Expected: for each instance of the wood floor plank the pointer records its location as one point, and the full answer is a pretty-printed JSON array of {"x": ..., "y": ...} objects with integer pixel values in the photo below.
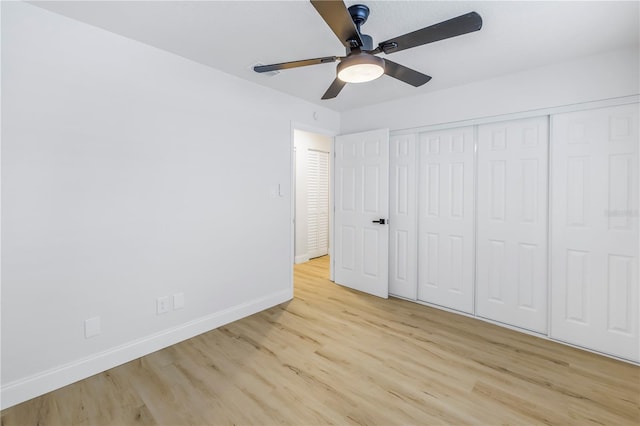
[{"x": 336, "y": 356}]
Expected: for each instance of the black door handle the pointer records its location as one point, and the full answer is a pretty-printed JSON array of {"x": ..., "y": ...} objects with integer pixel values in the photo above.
[{"x": 380, "y": 221}]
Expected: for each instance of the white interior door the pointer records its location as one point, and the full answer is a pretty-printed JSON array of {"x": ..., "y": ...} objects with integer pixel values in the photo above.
[
  {"x": 594, "y": 230},
  {"x": 361, "y": 259},
  {"x": 317, "y": 203},
  {"x": 511, "y": 280},
  {"x": 445, "y": 219},
  {"x": 403, "y": 226}
]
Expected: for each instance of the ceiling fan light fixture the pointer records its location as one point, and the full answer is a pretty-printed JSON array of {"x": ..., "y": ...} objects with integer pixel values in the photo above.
[{"x": 360, "y": 68}]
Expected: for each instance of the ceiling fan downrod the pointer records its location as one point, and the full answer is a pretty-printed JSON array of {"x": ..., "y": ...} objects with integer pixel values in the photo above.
[{"x": 359, "y": 14}]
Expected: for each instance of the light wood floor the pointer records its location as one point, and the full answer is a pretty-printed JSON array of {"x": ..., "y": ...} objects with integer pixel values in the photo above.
[{"x": 335, "y": 356}]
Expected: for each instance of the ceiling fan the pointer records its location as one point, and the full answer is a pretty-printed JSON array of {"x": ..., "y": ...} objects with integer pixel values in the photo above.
[{"x": 361, "y": 63}]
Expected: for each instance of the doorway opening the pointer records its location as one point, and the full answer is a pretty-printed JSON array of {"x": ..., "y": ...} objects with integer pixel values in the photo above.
[{"x": 312, "y": 196}]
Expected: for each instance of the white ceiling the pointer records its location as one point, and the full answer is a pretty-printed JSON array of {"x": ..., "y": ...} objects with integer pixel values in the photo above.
[{"x": 234, "y": 35}]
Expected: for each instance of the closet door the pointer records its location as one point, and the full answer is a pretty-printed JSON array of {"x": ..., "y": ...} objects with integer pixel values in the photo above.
[
  {"x": 594, "y": 230},
  {"x": 511, "y": 280},
  {"x": 445, "y": 220},
  {"x": 317, "y": 203},
  {"x": 403, "y": 227}
]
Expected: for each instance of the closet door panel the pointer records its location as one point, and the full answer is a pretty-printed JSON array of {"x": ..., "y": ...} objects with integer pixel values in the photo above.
[
  {"x": 445, "y": 218},
  {"x": 403, "y": 244},
  {"x": 594, "y": 234},
  {"x": 317, "y": 203},
  {"x": 511, "y": 281}
]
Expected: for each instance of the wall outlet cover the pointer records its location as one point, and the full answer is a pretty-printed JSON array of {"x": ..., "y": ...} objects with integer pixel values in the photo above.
[{"x": 163, "y": 305}]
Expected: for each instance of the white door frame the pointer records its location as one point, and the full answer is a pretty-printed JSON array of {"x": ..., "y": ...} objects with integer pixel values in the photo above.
[{"x": 325, "y": 132}]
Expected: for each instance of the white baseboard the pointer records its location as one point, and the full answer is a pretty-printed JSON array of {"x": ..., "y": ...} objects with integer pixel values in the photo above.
[
  {"x": 38, "y": 384},
  {"x": 302, "y": 258}
]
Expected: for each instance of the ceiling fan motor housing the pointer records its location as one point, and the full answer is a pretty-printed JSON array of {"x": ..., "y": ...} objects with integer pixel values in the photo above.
[
  {"x": 367, "y": 44},
  {"x": 359, "y": 13}
]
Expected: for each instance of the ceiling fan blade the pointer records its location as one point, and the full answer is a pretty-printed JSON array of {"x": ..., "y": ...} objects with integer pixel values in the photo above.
[
  {"x": 336, "y": 15},
  {"x": 295, "y": 64},
  {"x": 453, "y": 27},
  {"x": 405, "y": 74},
  {"x": 334, "y": 89}
]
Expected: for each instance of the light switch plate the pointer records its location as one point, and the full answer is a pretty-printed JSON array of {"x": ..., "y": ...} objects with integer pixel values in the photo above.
[
  {"x": 178, "y": 301},
  {"x": 92, "y": 327}
]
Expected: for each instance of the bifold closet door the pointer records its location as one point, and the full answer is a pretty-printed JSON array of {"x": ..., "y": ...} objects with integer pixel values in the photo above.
[
  {"x": 445, "y": 218},
  {"x": 511, "y": 280},
  {"x": 317, "y": 203},
  {"x": 403, "y": 228},
  {"x": 594, "y": 232}
]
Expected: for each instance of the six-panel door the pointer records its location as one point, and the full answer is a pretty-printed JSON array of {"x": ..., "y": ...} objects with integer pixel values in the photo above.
[
  {"x": 511, "y": 280},
  {"x": 362, "y": 197},
  {"x": 403, "y": 263},
  {"x": 445, "y": 218},
  {"x": 595, "y": 236}
]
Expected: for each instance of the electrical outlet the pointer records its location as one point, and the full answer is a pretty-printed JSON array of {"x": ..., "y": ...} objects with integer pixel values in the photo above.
[{"x": 163, "y": 305}]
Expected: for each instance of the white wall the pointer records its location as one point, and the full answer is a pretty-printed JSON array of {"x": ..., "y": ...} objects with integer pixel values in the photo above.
[
  {"x": 608, "y": 75},
  {"x": 303, "y": 142},
  {"x": 129, "y": 173}
]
